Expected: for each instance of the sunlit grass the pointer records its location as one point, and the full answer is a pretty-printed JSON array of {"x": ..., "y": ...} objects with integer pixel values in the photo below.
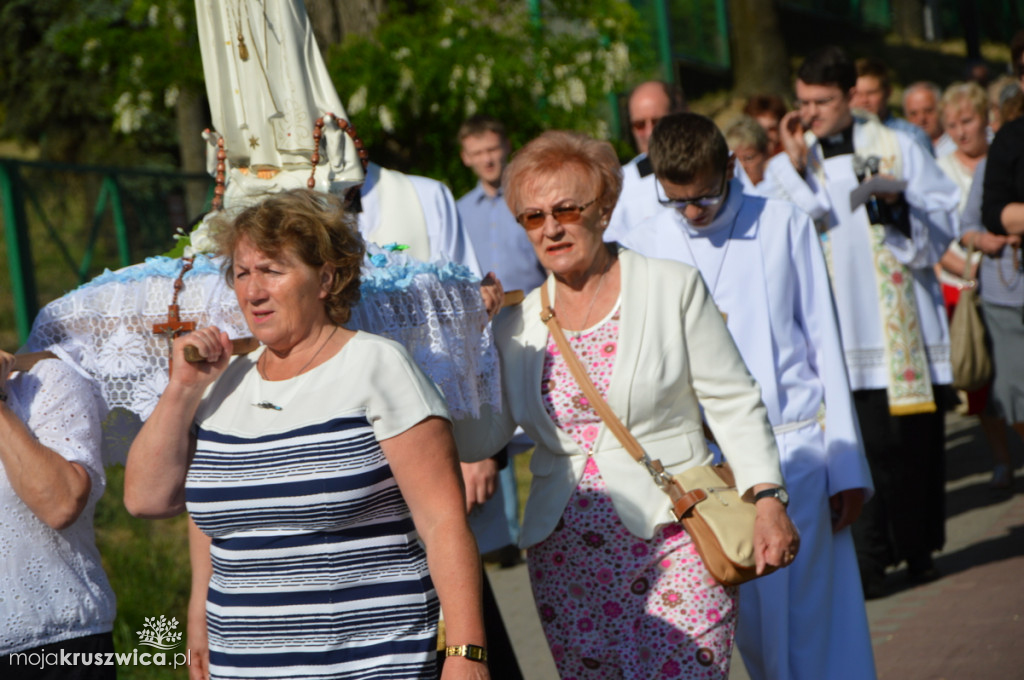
[{"x": 147, "y": 563}]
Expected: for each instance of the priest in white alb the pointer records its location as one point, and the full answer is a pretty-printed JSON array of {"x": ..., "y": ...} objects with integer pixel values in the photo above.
[
  {"x": 763, "y": 266},
  {"x": 879, "y": 254}
]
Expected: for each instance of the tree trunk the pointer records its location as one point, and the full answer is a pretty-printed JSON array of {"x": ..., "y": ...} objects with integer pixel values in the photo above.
[
  {"x": 908, "y": 19},
  {"x": 332, "y": 20},
  {"x": 191, "y": 115},
  {"x": 759, "y": 60}
]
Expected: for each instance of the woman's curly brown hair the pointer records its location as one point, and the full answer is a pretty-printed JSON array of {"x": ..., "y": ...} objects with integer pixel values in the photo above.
[{"x": 313, "y": 225}]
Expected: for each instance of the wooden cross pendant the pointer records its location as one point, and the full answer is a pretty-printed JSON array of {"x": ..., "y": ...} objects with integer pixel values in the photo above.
[{"x": 172, "y": 328}]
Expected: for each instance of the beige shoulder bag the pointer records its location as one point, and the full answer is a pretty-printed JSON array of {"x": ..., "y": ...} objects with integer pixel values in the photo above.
[{"x": 704, "y": 497}]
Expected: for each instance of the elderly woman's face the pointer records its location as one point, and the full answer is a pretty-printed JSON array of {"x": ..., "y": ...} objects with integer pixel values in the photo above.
[
  {"x": 567, "y": 247},
  {"x": 967, "y": 128},
  {"x": 282, "y": 297}
]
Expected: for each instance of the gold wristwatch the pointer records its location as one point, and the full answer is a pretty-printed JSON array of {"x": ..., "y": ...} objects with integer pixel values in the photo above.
[{"x": 471, "y": 652}]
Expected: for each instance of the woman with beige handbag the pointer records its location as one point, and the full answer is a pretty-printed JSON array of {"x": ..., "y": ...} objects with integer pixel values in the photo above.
[{"x": 617, "y": 582}]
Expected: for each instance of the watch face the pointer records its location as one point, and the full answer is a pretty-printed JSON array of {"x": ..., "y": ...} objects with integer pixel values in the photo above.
[{"x": 777, "y": 492}]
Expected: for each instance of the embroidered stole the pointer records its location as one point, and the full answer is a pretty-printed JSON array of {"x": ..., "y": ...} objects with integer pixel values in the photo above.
[{"x": 909, "y": 379}]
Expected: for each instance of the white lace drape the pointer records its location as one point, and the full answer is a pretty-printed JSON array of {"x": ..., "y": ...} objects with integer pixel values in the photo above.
[{"x": 434, "y": 310}]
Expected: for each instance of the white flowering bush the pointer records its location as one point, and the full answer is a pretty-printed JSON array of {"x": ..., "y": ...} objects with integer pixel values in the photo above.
[{"x": 409, "y": 86}]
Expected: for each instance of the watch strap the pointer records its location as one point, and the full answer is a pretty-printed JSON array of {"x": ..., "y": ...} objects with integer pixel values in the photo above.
[
  {"x": 774, "y": 492},
  {"x": 471, "y": 652}
]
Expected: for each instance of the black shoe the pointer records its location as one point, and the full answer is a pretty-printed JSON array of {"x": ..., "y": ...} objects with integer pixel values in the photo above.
[
  {"x": 505, "y": 557},
  {"x": 872, "y": 579},
  {"x": 922, "y": 570}
]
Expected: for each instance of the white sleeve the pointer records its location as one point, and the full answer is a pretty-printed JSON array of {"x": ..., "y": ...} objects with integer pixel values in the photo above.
[
  {"x": 933, "y": 199},
  {"x": 402, "y": 395},
  {"x": 782, "y": 181},
  {"x": 63, "y": 415}
]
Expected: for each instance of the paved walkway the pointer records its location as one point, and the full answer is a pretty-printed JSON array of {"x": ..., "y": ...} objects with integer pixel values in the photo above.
[{"x": 968, "y": 624}]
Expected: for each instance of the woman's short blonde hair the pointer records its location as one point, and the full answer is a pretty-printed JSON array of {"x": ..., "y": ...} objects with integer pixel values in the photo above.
[
  {"x": 558, "y": 151},
  {"x": 313, "y": 225},
  {"x": 745, "y": 131},
  {"x": 971, "y": 94}
]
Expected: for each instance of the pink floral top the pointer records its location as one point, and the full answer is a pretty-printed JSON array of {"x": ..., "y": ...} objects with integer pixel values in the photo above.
[{"x": 564, "y": 400}]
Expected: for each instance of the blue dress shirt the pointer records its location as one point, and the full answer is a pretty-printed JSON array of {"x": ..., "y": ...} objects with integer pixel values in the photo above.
[{"x": 500, "y": 243}]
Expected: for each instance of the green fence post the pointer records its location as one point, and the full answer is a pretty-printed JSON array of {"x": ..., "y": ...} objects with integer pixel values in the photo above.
[
  {"x": 664, "y": 41},
  {"x": 19, "y": 252},
  {"x": 97, "y": 220},
  {"x": 117, "y": 207}
]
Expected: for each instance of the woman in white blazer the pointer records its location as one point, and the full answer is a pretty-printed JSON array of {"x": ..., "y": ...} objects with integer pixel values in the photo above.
[{"x": 617, "y": 583}]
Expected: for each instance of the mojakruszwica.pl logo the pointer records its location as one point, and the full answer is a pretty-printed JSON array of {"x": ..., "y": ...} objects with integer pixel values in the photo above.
[{"x": 158, "y": 633}]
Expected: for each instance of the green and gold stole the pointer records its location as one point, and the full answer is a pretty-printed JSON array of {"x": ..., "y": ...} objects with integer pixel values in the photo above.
[{"x": 909, "y": 380}]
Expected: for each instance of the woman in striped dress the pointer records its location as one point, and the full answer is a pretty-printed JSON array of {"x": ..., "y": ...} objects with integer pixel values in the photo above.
[{"x": 303, "y": 466}]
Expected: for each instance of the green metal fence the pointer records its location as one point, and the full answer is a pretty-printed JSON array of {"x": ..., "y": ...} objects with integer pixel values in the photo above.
[{"x": 63, "y": 224}]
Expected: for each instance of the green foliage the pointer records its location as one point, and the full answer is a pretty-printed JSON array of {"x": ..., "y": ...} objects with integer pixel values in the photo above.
[
  {"x": 409, "y": 86},
  {"x": 97, "y": 78}
]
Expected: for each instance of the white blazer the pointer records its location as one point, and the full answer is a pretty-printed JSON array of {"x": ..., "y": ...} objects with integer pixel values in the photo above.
[{"x": 674, "y": 356}]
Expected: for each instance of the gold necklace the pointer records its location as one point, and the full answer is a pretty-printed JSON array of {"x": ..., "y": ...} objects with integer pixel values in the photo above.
[
  {"x": 263, "y": 374},
  {"x": 576, "y": 334}
]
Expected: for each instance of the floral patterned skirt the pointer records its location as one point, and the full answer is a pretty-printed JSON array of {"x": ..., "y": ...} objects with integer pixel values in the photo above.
[{"x": 616, "y": 606}]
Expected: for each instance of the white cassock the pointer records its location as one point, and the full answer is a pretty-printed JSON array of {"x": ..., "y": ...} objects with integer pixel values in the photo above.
[
  {"x": 421, "y": 213},
  {"x": 823, "y": 192},
  {"x": 638, "y": 201},
  {"x": 762, "y": 263},
  {"x": 417, "y": 212}
]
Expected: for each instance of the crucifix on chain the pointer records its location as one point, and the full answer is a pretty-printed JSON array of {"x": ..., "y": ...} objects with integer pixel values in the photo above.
[{"x": 174, "y": 326}]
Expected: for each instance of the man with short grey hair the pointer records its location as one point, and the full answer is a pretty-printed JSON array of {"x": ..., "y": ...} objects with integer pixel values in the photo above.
[
  {"x": 921, "y": 106},
  {"x": 649, "y": 102}
]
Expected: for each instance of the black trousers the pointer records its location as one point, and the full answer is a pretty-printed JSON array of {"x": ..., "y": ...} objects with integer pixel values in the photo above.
[
  {"x": 47, "y": 660},
  {"x": 906, "y": 518}
]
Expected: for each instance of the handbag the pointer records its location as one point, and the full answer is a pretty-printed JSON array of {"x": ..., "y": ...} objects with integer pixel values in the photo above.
[
  {"x": 969, "y": 354},
  {"x": 704, "y": 497}
]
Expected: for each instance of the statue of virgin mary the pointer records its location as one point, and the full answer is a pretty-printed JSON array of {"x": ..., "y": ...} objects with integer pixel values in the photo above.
[{"x": 267, "y": 85}]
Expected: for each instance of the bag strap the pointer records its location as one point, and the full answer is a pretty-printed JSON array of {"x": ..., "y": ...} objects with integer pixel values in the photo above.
[
  {"x": 621, "y": 432},
  {"x": 967, "y": 265}
]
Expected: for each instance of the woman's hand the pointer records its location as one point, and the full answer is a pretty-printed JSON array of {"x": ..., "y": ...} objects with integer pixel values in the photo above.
[
  {"x": 776, "y": 540},
  {"x": 481, "y": 480},
  {"x": 846, "y": 507},
  {"x": 987, "y": 242},
  {"x": 197, "y": 644},
  {"x": 493, "y": 294},
  {"x": 458, "y": 668},
  {"x": 213, "y": 344}
]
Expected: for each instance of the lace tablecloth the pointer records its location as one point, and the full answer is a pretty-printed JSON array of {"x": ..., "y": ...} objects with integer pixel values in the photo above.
[{"x": 105, "y": 326}]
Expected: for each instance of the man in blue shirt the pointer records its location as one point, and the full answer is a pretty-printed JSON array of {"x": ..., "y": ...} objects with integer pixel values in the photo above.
[
  {"x": 872, "y": 95},
  {"x": 501, "y": 247},
  {"x": 500, "y": 243}
]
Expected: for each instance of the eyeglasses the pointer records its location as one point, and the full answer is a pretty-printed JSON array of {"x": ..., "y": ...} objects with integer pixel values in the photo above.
[
  {"x": 639, "y": 125},
  {"x": 701, "y": 201},
  {"x": 567, "y": 213}
]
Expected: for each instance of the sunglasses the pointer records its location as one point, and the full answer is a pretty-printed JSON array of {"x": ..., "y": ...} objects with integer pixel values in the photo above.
[
  {"x": 567, "y": 213},
  {"x": 701, "y": 201},
  {"x": 639, "y": 125}
]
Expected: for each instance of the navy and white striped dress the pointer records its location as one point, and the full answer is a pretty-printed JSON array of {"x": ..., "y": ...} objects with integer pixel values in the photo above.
[{"x": 317, "y": 569}]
